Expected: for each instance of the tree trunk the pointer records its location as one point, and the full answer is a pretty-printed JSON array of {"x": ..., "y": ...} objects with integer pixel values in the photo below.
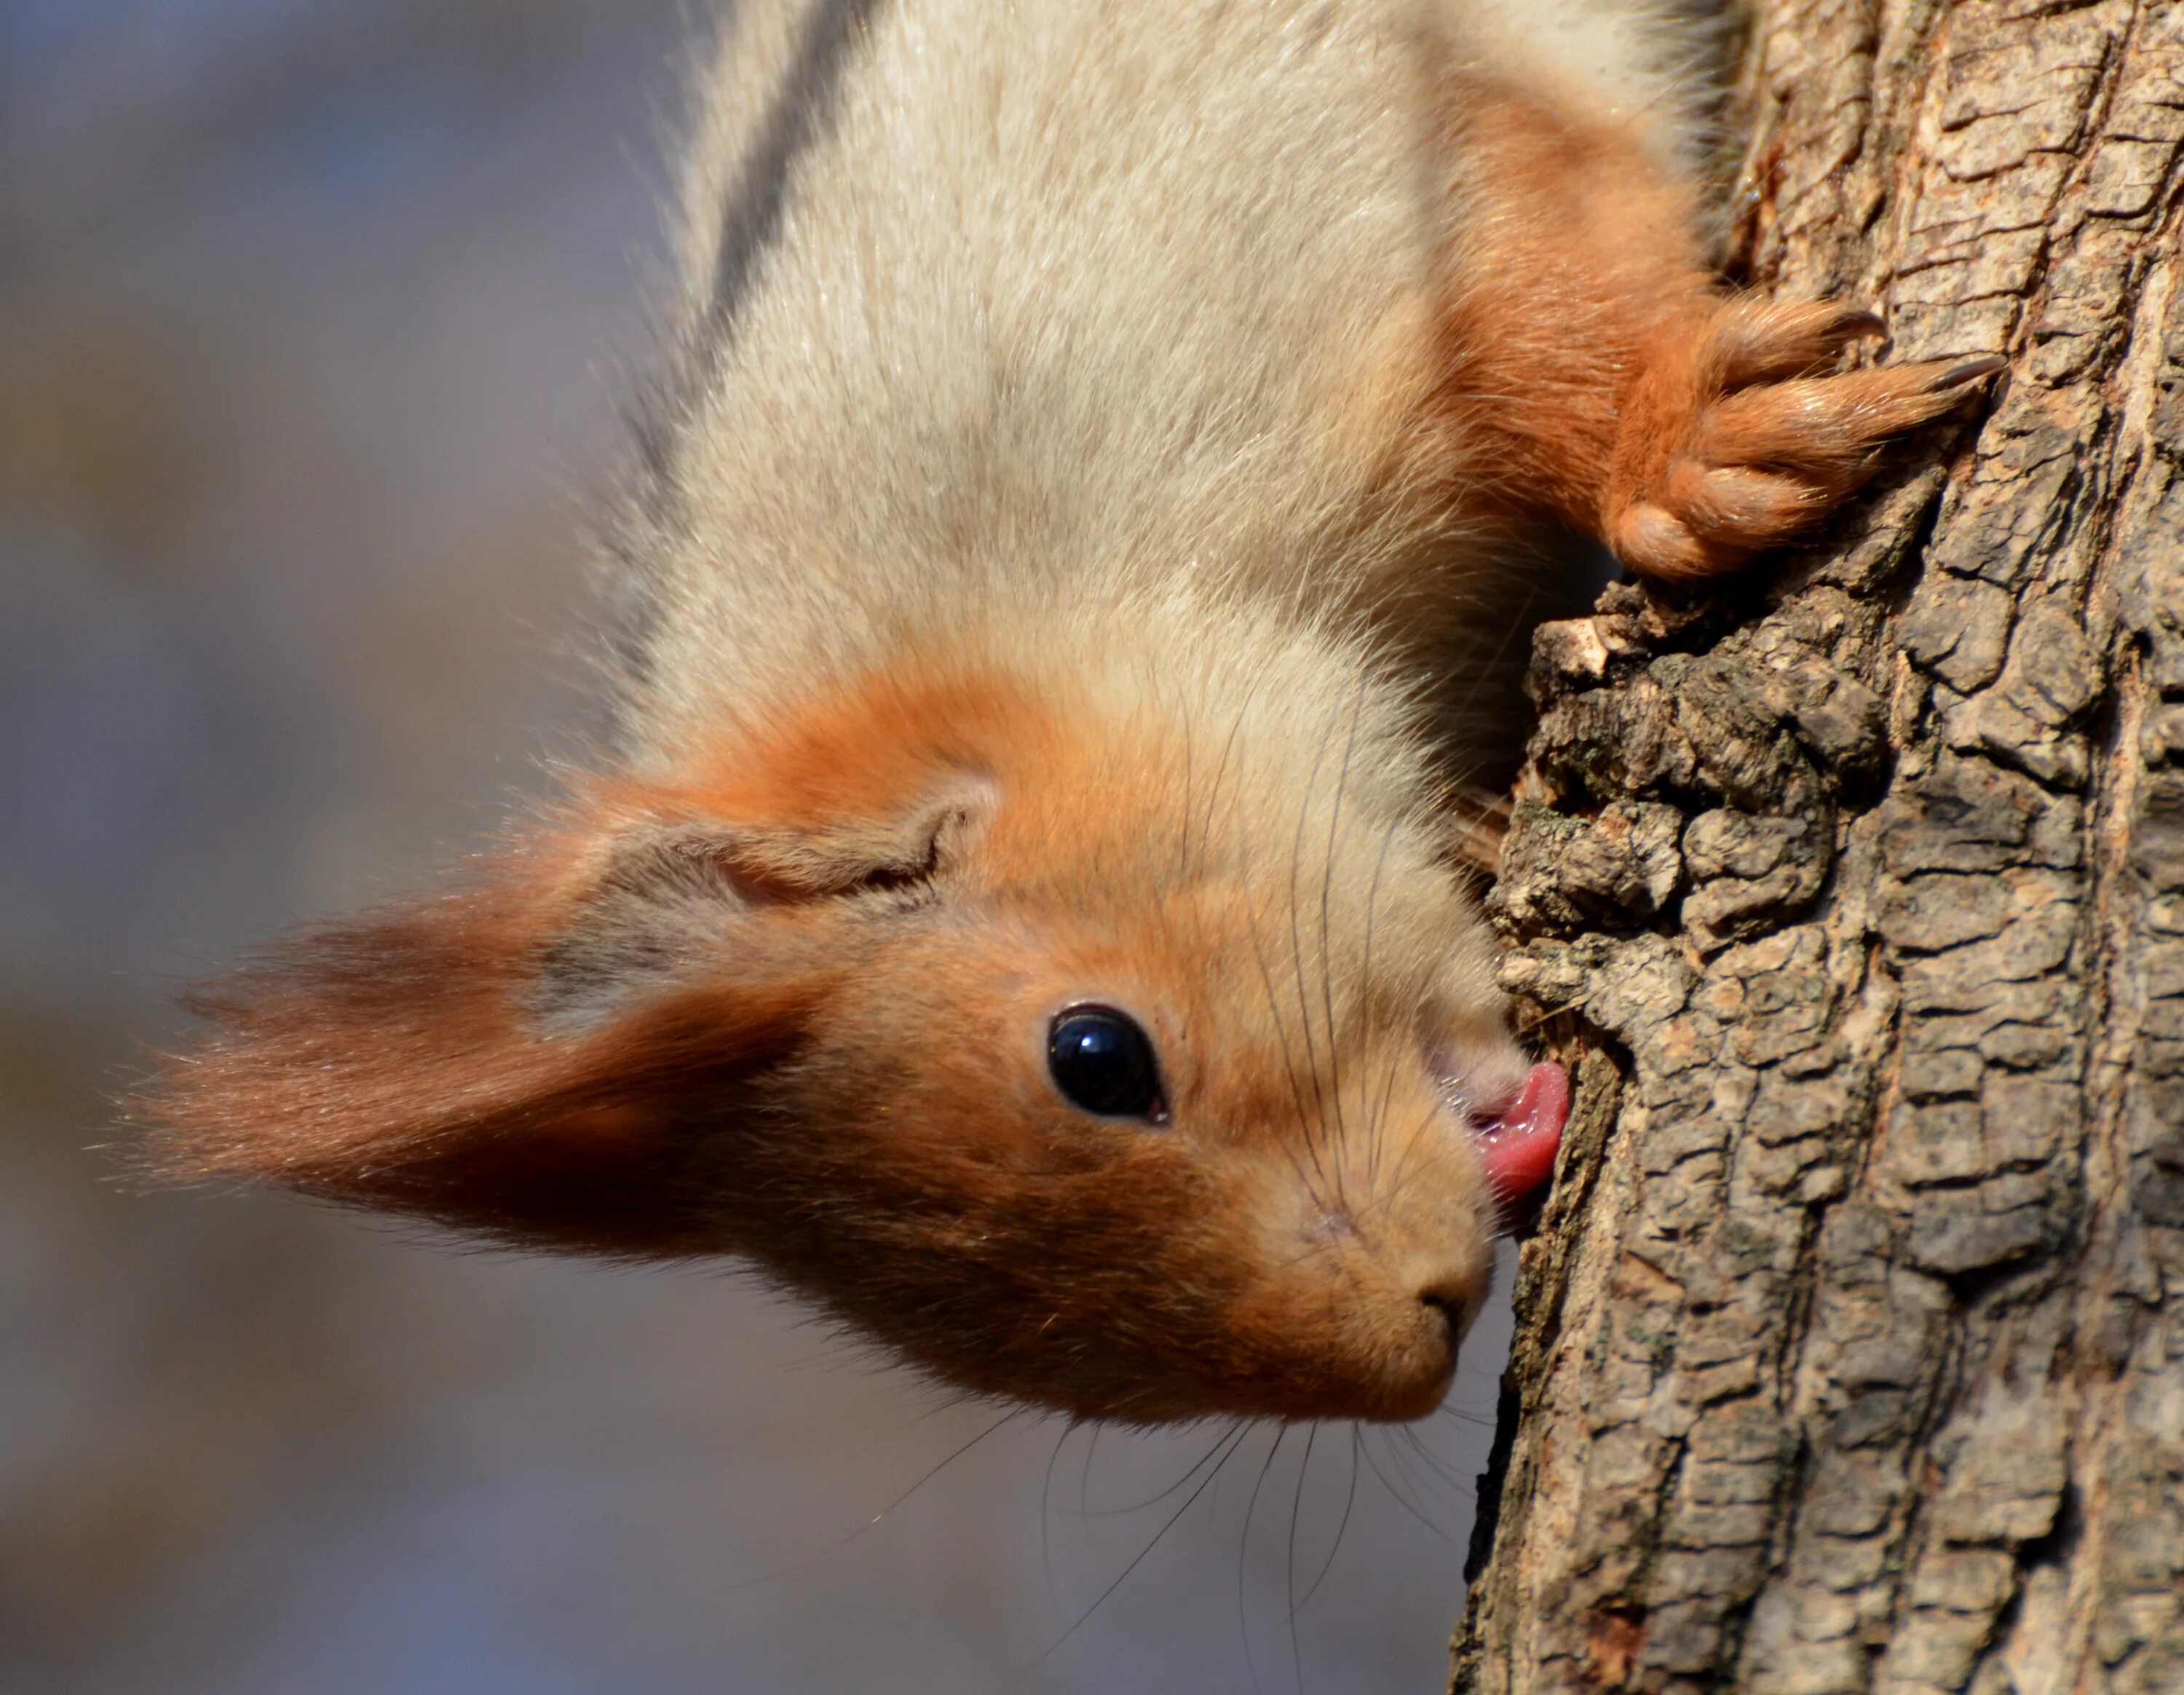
[{"x": 1850, "y": 1354}]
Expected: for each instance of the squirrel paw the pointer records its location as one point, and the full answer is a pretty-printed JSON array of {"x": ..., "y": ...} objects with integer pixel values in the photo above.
[{"x": 1734, "y": 440}]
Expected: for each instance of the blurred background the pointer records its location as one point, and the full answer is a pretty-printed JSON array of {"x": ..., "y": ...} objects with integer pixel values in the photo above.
[{"x": 314, "y": 318}]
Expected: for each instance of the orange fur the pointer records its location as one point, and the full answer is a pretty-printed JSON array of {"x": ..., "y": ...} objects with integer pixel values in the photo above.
[
  {"x": 843, "y": 1079},
  {"x": 1579, "y": 267},
  {"x": 1592, "y": 366}
]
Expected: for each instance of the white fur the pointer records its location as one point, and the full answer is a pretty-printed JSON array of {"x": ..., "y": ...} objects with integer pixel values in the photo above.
[{"x": 1045, "y": 333}]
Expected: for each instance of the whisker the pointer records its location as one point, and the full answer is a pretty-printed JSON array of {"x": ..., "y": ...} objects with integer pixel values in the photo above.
[
  {"x": 1342, "y": 1524},
  {"x": 1227, "y": 754},
  {"x": 1084, "y": 1477},
  {"x": 1326, "y": 936},
  {"x": 1433, "y": 1462},
  {"x": 1296, "y": 951},
  {"x": 1429, "y": 1490},
  {"x": 1244, "y": 1549},
  {"x": 1400, "y": 1498},
  {"x": 1289, "y": 1053},
  {"x": 1371, "y": 905},
  {"x": 1296, "y": 1512},
  {"x": 1089, "y": 1512},
  {"x": 1138, "y": 1559},
  {"x": 837, "y": 1546},
  {"x": 1046, "y": 1508}
]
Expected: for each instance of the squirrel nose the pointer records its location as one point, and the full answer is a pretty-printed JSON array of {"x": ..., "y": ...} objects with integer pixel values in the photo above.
[{"x": 1454, "y": 1308}]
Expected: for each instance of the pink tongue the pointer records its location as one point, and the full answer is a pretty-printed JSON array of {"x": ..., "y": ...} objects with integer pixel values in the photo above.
[{"x": 1519, "y": 1146}]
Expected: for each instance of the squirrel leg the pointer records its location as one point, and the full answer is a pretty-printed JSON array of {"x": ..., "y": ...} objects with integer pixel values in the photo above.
[{"x": 1593, "y": 367}]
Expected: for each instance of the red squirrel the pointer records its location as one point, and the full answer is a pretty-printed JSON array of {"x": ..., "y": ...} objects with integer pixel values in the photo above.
[{"x": 1017, "y": 910}]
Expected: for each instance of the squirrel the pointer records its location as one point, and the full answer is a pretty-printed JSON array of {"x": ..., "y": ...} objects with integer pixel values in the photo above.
[{"x": 1017, "y": 908}]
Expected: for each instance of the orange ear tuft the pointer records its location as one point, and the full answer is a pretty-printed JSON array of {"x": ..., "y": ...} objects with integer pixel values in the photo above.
[
  {"x": 578, "y": 1049},
  {"x": 565, "y": 1054},
  {"x": 398, "y": 1062}
]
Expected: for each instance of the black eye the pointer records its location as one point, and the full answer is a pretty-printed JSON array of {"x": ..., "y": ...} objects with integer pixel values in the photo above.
[{"x": 1102, "y": 1062}]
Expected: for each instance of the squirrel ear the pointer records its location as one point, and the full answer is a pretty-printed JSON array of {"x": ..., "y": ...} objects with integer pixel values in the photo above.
[
  {"x": 669, "y": 899},
  {"x": 548, "y": 1055}
]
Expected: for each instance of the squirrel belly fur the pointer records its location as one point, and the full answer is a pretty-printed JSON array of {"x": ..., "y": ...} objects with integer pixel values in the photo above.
[{"x": 1098, "y": 443}]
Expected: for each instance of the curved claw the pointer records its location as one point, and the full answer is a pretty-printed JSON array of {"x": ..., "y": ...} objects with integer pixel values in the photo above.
[{"x": 1739, "y": 438}]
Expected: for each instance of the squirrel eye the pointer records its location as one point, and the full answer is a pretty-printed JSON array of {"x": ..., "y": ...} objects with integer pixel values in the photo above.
[{"x": 1103, "y": 1062}]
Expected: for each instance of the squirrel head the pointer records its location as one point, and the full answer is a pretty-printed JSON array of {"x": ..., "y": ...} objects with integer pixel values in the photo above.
[{"x": 1127, "y": 1048}]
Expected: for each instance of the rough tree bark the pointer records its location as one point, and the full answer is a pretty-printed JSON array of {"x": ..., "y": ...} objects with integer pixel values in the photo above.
[{"x": 1849, "y": 1355}]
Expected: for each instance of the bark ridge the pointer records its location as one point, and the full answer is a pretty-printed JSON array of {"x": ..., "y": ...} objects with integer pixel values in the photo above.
[{"x": 1850, "y": 1354}]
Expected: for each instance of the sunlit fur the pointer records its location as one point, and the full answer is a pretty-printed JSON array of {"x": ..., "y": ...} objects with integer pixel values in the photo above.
[
  {"x": 844, "y": 1075},
  {"x": 1097, "y": 443},
  {"x": 1071, "y": 307}
]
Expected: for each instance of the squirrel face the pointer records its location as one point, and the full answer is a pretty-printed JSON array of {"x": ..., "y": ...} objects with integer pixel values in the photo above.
[{"x": 1043, "y": 1033}]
